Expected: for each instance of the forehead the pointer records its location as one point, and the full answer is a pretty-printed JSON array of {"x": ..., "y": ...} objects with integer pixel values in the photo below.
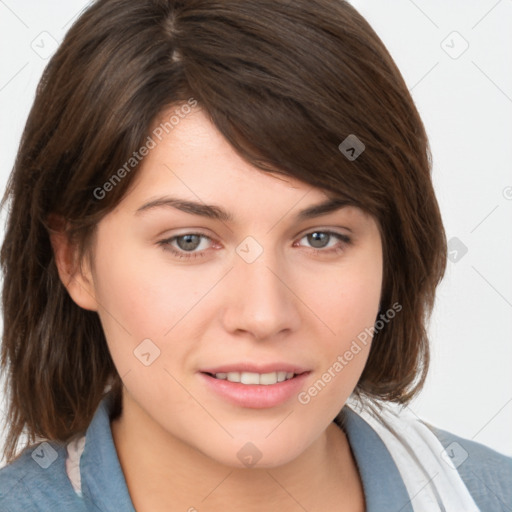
[
  {"x": 192, "y": 166},
  {"x": 193, "y": 156}
]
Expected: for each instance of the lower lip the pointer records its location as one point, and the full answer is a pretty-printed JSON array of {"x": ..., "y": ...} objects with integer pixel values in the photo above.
[{"x": 256, "y": 396}]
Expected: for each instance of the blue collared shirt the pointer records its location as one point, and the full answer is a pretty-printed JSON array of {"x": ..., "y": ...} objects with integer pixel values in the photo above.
[{"x": 38, "y": 481}]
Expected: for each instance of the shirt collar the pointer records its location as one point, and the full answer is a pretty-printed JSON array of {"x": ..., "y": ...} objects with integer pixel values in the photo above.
[
  {"x": 384, "y": 489},
  {"x": 103, "y": 481}
]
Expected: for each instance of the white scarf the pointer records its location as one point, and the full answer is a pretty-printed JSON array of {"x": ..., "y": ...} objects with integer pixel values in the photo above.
[{"x": 428, "y": 472}]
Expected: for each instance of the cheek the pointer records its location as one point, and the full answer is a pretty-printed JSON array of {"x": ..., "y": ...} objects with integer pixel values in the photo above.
[
  {"x": 141, "y": 297},
  {"x": 347, "y": 300},
  {"x": 349, "y": 307},
  {"x": 144, "y": 310},
  {"x": 138, "y": 289}
]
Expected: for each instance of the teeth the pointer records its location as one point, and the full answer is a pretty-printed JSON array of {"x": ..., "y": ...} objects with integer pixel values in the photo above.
[{"x": 266, "y": 379}]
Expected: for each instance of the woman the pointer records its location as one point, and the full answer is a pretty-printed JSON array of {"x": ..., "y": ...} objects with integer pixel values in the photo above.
[{"x": 222, "y": 251}]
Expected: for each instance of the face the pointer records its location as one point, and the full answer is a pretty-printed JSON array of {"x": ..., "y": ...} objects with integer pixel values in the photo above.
[{"x": 211, "y": 271}]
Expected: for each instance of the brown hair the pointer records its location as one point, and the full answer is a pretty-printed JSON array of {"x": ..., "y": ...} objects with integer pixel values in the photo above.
[{"x": 285, "y": 83}]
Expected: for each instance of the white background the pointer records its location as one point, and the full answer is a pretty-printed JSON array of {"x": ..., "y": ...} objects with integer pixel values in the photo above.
[{"x": 466, "y": 104}]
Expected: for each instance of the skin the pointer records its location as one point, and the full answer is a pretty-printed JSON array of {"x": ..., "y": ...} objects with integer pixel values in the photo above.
[{"x": 177, "y": 440}]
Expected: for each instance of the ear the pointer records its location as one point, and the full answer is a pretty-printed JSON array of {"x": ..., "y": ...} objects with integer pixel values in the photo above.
[{"x": 75, "y": 276}]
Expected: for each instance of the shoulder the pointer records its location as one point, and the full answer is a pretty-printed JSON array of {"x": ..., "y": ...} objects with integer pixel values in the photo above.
[
  {"x": 416, "y": 445},
  {"x": 486, "y": 473},
  {"x": 37, "y": 480}
]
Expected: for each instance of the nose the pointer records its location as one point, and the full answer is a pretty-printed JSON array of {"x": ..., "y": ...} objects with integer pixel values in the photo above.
[{"x": 260, "y": 298}]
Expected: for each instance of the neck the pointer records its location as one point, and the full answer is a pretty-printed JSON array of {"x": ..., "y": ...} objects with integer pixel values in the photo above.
[{"x": 164, "y": 473}]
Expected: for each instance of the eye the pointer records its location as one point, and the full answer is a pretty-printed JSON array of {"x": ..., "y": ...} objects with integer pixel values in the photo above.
[
  {"x": 326, "y": 241},
  {"x": 185, "y": 246},
  {"x": 188, "y": 242}
]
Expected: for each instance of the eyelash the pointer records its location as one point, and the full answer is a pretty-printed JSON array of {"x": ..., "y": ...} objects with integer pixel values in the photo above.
[{"x": 166, "y": 244}]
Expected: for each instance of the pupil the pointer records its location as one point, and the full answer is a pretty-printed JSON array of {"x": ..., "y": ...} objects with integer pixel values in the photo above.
[
  {"x": 188, "y": 242},
  {"x": 318, "y": 240}
]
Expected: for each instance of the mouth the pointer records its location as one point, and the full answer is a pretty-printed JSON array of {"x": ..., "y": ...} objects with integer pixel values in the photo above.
[
  {"x": 252, "y": 378},
  {"x": 255, "y": 390}
]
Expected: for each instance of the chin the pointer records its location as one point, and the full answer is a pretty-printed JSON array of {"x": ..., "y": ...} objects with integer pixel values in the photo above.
[{"x": 260, "y": 453}]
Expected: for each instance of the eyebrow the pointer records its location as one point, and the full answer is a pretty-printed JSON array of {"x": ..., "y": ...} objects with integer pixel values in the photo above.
[{"x": 218, "y": 213}]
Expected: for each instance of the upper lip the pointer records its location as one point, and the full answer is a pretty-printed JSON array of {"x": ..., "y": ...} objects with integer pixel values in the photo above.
[{"x": 256, "y": 368}]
